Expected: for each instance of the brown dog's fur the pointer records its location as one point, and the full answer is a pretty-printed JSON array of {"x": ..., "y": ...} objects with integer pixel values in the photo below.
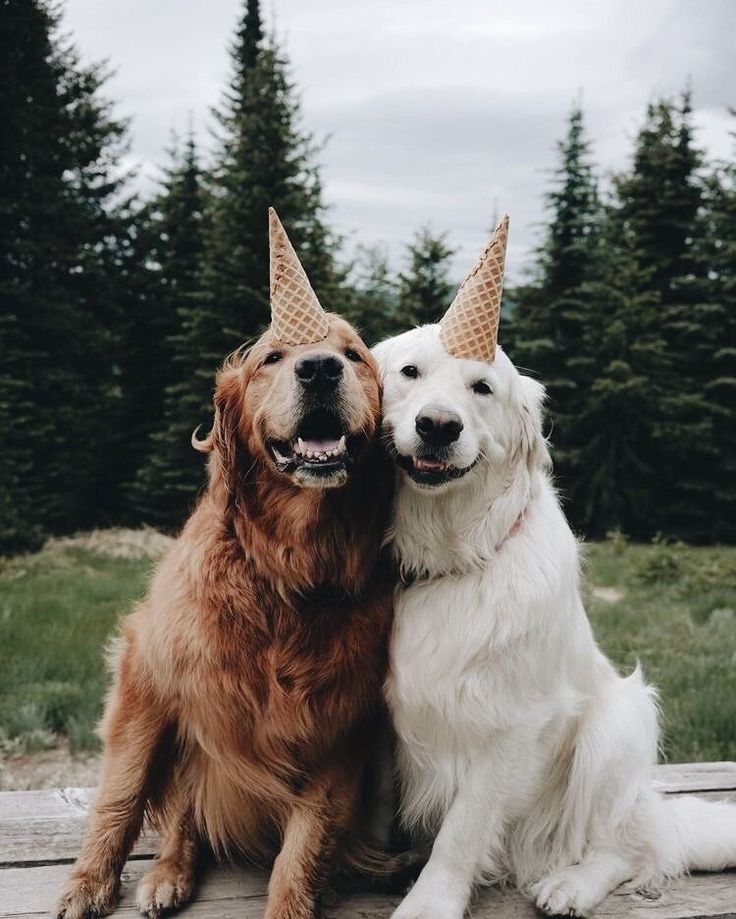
[{"x": 247, "y": 685}]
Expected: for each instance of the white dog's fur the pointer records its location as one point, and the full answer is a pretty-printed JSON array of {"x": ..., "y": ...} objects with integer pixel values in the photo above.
[{"x": 522, "y": 750}]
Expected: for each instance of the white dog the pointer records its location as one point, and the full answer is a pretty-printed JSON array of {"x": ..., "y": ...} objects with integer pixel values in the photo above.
[{"x": 522, "y": 751}]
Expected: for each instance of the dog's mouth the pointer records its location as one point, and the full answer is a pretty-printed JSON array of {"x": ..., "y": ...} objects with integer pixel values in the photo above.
[
  {"x": 322, "y": 448},
  {"x": 431, "y": 470}
]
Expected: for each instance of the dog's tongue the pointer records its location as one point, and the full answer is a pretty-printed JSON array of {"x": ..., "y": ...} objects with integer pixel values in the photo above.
[{"x": 429, "y": 464}]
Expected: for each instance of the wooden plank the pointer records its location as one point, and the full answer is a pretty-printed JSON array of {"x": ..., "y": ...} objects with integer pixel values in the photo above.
[
  {"x": 48, "y": 826},
  {"x": 39, "y": 830},
  {"x": 43, "y": 841},
  {"x": 46, "y": 802},
  {"x": 684, "y": 777},
  {"x": 39, "y": 842},
  {"x": 729, "y": 796},
  {"x": 700, "y": 896},
  {"x": 29, "y": 893},
  {"x": 39, "y": 827}
]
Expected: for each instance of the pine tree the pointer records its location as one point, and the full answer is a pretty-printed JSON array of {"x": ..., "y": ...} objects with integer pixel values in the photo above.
[
  {"x": 60, "y": 242},
  {"x": 552, "y": 311},
  {"x": 265, "y": 159},
  {"x": 372, "y": 302},
  {"x": 171, "y": 472},
  {"x": 620, "y": 419},
  {"x": 215, "y": 267},
  {"x": 659, "y": 198},
  {"x": 720, "y": 364},
  {"x": 425, "y": 290},
  {"x": 660, "y": 203}
]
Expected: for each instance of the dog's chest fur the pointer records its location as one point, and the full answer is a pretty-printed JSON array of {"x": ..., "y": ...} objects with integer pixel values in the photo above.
[
  {"x": 474, "y": 652},
  {"x": 255, "y": 674},
  {"x": 305, "y": 678},
  {"x": 454, "y": 662},
  {"x": 263, "y": 693},
  {"x": 295, "y": 683}
]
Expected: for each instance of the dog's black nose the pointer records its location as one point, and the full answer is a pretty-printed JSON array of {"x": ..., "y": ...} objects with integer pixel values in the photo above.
[
  {"x": 318, "y": 371},
  {"x": 438, "y": 426}
]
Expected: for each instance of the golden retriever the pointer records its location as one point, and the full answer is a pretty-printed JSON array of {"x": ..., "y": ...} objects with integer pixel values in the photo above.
[{"x": 247, "y": 686}]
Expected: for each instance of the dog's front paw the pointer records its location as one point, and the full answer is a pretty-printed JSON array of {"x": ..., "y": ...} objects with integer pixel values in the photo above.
[
  {"x": 87, "y": 897},
  {"x": 291, "y": 904},
  {"x": 166, "y": 886},
  {"x": 564, "y": 894},
  {"x": 422, "y": 904}
]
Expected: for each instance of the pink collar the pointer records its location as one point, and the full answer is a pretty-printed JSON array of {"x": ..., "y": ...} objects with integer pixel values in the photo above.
[{"x": 518, "y": 523}]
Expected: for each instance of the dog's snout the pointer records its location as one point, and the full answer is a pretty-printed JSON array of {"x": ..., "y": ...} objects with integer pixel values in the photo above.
[
  {"x": 317, "y": 371},
  {"x": 438, "y": 426}
]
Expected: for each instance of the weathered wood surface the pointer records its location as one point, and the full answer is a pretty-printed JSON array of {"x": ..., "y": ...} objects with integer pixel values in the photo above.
[
  {"x": 679, "y": 778},
  {"x": 41, "y": 831},
  {"x": 226, "y": 892}
]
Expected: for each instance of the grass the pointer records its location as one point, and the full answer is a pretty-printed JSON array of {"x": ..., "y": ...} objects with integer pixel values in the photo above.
[
  {"x": 57, "y": 610},
  {"x": 671, "y": 607},
  {"x": 677, "y": 616}
]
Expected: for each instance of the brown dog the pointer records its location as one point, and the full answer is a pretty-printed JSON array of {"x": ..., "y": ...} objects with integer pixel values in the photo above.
[{"x": 247, "y": 685}]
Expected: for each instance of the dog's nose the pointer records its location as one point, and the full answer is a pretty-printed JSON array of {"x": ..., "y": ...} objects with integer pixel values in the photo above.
[
  {"x": 318, "y": 371},
  {"x": 438, "y": 426}
]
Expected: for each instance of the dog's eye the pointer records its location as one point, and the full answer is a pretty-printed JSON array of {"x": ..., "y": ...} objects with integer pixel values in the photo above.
[
  {"x": 273, "y": 358},
  {"x": 481, "y": 388},
  {"x": 410, "y": 371},
  {"x": 352, "y": 355}
]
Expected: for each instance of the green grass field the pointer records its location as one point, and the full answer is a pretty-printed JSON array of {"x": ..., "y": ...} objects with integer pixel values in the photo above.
[
  {"x": 57, "y": 610},
  {"x": 671, "y": 607}
]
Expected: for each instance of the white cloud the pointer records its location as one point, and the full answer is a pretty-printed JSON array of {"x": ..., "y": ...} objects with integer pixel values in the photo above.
[{"x": 436, "y": 112}]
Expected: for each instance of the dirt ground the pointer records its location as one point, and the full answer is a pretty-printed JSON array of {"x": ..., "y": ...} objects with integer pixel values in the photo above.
[
  {"x": 116, "y": 543},
  {"x": 56, "y": 768}
]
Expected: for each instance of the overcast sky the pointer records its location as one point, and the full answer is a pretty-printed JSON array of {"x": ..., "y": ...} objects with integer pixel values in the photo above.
[{"x": 436, "y": 111}]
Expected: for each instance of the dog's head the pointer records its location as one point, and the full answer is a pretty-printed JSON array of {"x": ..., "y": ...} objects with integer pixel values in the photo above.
[
  {"x": 453, "y": 402},
  {"x": 447, "y": 418},
  {"x": 305, "y": 413},
  {"x": 303, "y": 403}
]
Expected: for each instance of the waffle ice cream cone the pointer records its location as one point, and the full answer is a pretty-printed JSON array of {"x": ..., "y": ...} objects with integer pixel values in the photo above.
[
  {"x": 469, "y": 328},
  {"x": 297, "y": 318}
]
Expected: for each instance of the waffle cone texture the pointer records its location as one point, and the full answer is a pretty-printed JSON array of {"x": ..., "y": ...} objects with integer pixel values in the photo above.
[
  {"x": 297, "y": 317},
  {"x": 469, "y": 328}
]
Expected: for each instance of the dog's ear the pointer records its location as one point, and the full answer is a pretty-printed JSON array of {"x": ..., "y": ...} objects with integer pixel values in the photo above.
[
  {"x": 224, "y": 441},
  {"x": 532, "y": 445}
]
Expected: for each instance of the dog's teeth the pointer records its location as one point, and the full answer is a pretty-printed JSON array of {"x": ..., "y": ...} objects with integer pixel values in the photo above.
[{"x": 320, "y": 455}]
